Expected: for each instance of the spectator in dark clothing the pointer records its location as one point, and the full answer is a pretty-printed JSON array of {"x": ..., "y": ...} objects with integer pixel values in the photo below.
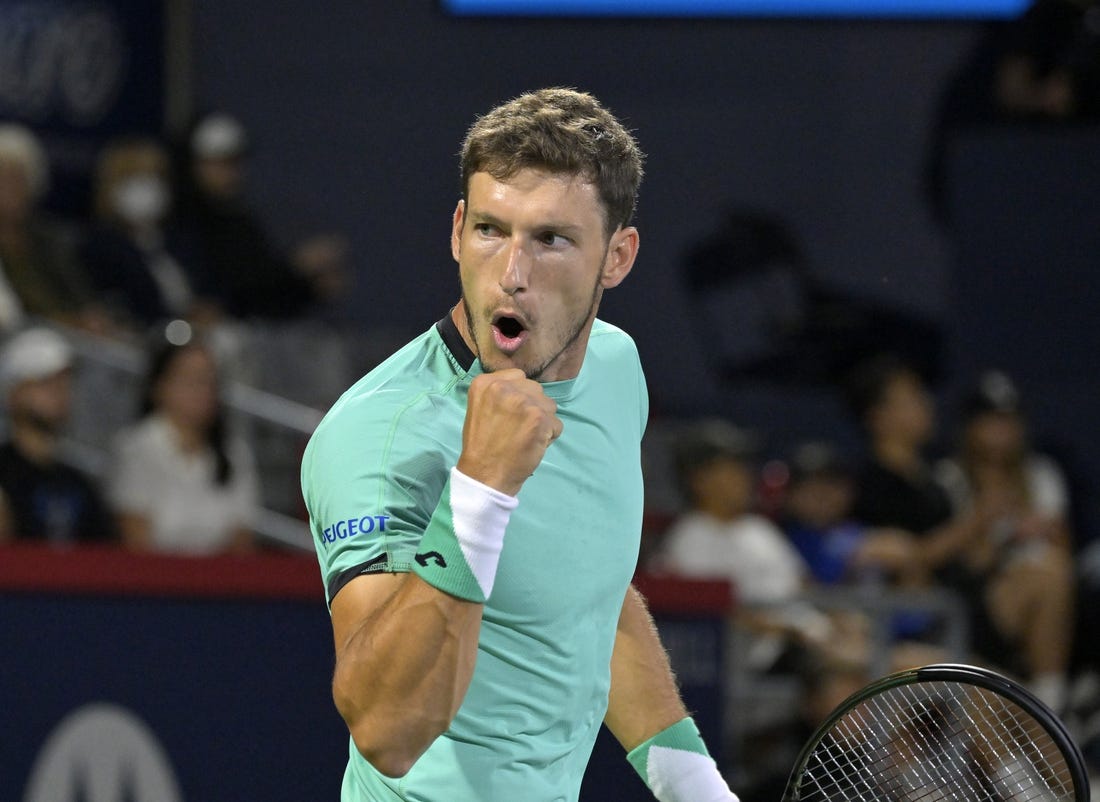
[
  {"x": 1011, "y": 603},
  {"x": 896, "y": 486},
  {"x": 147, "y": 271},
  {"x": 817, "y": 517},
  {"x": 39, "y": 273},
  {"x": 252, "y": 278},
  {"x": 41, "y": 497},
  {"x": 1042, "y": 68}
]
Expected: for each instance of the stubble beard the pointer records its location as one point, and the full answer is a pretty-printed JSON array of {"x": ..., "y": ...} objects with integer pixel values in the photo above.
[{"x": 535, "y": 374}]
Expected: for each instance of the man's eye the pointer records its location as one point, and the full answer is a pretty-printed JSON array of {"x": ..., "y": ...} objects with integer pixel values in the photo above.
[
  {"x": 487, "y": 229},
  {"x": 552, "y": 239}
]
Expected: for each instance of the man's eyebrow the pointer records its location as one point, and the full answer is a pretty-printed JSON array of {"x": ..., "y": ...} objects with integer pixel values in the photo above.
[
  {"x": 477, "y": 216},
  {"x": 567, "y": 229}
]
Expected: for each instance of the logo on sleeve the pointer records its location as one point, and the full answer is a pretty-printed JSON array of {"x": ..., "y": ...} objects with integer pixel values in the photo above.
[
  {"x": 435, "y": 556},
  {"x": 353, "y": 527}
]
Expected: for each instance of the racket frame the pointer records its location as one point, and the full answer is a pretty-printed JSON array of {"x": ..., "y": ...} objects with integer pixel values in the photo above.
[{"x": 958, "y": 673}]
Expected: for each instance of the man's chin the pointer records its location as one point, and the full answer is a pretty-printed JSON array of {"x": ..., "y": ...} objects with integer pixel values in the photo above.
[{"x": 500, "y": 362}]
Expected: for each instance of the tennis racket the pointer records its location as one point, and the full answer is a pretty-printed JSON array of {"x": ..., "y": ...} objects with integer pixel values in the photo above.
[{"x": 938, "y": 733}]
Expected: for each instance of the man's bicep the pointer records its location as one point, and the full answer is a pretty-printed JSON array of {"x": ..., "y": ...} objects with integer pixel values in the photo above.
[{"x": 359, "y": 600}]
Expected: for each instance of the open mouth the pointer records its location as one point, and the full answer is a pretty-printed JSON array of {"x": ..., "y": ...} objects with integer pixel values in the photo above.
[
  {"x": 508, "y": 333},
  {"x": 509, "y": 327}
]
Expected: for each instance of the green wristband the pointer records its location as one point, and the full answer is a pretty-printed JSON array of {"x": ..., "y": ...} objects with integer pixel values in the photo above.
[
  {"x": 439, "y": 560},
  {"x": 683, "y": 735},
  {"x": 461, "y": 546}
]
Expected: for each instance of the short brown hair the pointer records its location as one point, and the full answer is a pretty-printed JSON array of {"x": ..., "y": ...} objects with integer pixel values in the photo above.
[{"x": 562, "y": 131}]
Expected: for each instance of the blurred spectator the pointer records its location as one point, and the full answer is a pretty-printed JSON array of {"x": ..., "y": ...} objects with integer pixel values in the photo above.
[
  {"x": 179, "y": 482},
  {"x": 1045, "y": 65},
  {"x": 718, "y": 536},
  {"x": 895, "y": 487},
  {"x": 1023, "y": 560},
  {"x": 39, "y": 273},
  {"x": 41, "y": 497},
  {"x": 147, "y": 272},
  {"x": 1010, "y": 610},
  {"x": 252, "y": 279},
  {"x": 817, "y": 516},
  {"x": 1040, "y": 68}
]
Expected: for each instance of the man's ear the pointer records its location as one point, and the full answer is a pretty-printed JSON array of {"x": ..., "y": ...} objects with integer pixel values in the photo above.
[
  {"x": 456, "y": 229},
  {"x": 622, "y": 250}
]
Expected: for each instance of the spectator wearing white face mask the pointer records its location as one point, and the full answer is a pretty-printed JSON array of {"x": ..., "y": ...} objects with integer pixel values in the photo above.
[{"x": 145, "y": 270}]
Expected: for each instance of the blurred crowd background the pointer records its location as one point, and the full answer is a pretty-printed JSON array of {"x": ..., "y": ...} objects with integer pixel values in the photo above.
[{"x": 865, "y": 302}]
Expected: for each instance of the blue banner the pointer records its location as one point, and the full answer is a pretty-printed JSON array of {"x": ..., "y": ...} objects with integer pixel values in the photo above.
[
  {"x": 741, "y": 8},
  {"x": 142, "y": 699}
]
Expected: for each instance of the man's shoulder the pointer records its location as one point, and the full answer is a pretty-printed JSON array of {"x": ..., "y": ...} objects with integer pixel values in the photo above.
[
  {"x": 609, "y": 338},
  {"x": 611, "y": 351},
  {"x": 412, "y": 380}
]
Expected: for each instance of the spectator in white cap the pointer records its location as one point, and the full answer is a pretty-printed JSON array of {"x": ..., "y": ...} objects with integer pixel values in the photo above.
[
  {"x": 253, "y": 278},
  {"x": 41, "y": 496}
]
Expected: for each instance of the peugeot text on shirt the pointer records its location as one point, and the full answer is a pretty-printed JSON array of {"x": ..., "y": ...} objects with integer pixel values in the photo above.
[{"x": 350, "y": 527}]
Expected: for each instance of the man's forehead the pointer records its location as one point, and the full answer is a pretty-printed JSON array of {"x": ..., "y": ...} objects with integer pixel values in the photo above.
[
  {"x": 531, "y": 178},
  {"x": 562, "y": 195}
]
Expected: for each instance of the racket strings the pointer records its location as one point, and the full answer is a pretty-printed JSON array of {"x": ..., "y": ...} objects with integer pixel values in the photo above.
[
  {"x": 901, "y": 762},
  {"x": 934, "y": 742}
]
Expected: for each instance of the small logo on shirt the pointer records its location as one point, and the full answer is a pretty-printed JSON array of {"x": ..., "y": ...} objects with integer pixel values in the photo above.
[
  {"x": 342, "y": 530},
  {"x": 435, "y": 556}
]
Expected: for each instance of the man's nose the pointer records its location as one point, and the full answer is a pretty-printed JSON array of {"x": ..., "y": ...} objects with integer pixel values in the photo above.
[{"x": 518, "y": 269}]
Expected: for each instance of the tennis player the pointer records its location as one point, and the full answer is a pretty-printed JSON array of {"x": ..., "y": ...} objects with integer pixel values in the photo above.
[{"x": 476, "y": 499}]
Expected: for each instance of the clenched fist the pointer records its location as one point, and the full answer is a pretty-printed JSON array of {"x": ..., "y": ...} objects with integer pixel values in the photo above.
[{"x": 509, "y": 424}]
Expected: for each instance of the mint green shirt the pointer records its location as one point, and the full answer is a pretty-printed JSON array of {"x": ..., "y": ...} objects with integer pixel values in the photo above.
[{"x": 372, "y": 476}]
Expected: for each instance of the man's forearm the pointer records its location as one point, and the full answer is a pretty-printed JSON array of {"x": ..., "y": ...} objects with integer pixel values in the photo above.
[
  {"x": 640, "y": 670},
  {"x": 647, "y": 716}
]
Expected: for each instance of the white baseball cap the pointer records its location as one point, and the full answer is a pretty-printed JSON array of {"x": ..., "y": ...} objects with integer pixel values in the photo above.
[{"x": 33, "y": 354}]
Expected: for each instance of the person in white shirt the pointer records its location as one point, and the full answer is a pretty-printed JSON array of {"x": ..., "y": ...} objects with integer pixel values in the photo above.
[
  {"x": 178, "y": 482},
  {"x": 720, "y": 536}
]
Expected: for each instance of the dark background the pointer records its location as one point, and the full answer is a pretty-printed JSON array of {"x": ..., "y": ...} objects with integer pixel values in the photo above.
[{"x": 358, "y": 109}]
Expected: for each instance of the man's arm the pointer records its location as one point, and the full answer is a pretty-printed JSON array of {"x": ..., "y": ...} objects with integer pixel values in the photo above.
[
  {"x": 406, "y": 644},
  {"x": 405, "y": 654},
  {"x": 640, "y": 671},
  {"x": 646, "y": 715}
]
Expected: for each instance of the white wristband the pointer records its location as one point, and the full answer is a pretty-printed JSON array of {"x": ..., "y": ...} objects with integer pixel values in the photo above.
[
  {"x": 480, "y": 515},
  {"x": 679, "y": 776},
  {"x": 676, "y": 766}
]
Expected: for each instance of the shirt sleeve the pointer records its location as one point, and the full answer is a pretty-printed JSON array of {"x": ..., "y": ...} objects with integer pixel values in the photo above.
[{"x": 371, "y": 485}]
